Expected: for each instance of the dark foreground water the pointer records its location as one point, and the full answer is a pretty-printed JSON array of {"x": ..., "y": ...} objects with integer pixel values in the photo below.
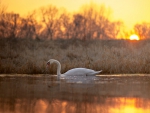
[{"x": 102, "y": 94}]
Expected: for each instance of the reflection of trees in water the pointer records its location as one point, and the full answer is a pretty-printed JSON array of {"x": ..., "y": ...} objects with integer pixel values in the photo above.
[
  {"x": 100, "y": 104},
  {"x": 44, "y": 95}
]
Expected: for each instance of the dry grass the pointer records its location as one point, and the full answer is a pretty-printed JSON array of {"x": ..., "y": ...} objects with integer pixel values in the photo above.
[{"x": 111, "y": 56}]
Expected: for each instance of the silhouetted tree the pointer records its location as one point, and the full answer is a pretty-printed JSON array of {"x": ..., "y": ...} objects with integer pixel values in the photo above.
[
  {"x": 79, "y": 26},
  {"x": 3, "y": 9},
  {"x": 66, "y": 30},
  {"x": 50, "y": 18},
  {"x": 29, "y": 27},
  {"x": 114, "y": 29},
  {"x": 9, "y": 24},
  {"x": 89, "y": 23},
  {"x": 93, "y": 21},
  {"x": 143, "y": 30},
  {"x": 97, "y": 21}
]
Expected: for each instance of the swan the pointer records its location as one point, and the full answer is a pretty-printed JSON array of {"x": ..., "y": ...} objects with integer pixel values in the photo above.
[{"x": 74, "y": 71}]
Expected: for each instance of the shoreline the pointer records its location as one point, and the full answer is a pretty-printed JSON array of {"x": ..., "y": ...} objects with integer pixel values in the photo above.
[{"x": 28, "y": 56}]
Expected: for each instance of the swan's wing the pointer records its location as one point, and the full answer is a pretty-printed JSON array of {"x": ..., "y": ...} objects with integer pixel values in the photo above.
[
  {"x": 82, "y": 71},
  {"x": 76, "y": 72}
]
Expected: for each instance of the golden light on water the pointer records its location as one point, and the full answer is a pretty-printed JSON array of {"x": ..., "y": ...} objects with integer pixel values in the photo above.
[
  {"x": 134, "y": 37},
  {"x": 111, "y": 105},
  {"x": 129, "y": 105}
]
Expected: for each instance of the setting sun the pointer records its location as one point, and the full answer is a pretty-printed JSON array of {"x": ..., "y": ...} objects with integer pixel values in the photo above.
[{"x": 134, "y": 37}]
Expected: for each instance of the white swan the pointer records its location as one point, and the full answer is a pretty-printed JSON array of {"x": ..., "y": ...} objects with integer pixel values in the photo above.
[{"x": 73, "y": 72}]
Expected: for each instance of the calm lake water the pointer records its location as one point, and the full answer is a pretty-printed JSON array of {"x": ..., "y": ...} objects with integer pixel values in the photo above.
[{"x": 101, "y": 94}]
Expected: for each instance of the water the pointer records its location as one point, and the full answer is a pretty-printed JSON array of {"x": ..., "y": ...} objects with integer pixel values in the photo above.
[{"x": 101, "y": 94}]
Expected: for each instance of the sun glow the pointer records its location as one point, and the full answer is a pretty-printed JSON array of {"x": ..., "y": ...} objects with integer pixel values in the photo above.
[{"x": 134, "y": 37}]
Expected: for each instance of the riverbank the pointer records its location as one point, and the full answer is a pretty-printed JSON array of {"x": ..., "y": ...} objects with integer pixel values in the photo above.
[{"x": 27, "y": 56}]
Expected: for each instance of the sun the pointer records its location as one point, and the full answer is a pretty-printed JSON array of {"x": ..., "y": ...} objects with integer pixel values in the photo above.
[{"x": 134, "y": 37}]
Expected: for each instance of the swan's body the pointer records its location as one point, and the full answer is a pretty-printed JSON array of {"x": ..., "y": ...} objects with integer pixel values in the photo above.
[
  {"x": 73, "y": 72},
  {"x": 81, "y": 71}
]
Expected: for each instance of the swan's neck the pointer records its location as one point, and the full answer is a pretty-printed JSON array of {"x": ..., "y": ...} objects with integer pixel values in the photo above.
[{"x": 58, "y": 67}]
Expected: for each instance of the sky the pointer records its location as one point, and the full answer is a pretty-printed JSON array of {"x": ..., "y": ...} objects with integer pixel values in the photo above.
[{"x": 129, "y": 11}]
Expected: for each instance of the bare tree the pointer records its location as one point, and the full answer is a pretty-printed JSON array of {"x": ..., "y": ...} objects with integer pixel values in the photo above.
[
  {"x": 50, "y": 18},
  {"x": 29, "y": 27},
  {"x": 3, "y": 9},
  {"x": 79, "y": 26},
  {"x": 2, "y": 15},
  {"x": 143, "y": 30},
  {"x": 93, "y": 21},
  {"x": 66, "y": 25},
  {"x": 113, "y": 30},
  {"x": 97, "y": 21},
  {"x": 9, "y": 24},
  {"x": 88, "y": 13}
]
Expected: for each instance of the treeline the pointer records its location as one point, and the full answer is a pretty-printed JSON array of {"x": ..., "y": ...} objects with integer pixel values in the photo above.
[{"x": 90, "y": 22}]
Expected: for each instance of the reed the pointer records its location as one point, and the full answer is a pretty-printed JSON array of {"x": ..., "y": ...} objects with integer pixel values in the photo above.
[{"x": 27, "y": 56}]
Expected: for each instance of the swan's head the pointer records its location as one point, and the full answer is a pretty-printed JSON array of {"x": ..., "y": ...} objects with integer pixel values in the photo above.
[{"x": 50, "y": 62}]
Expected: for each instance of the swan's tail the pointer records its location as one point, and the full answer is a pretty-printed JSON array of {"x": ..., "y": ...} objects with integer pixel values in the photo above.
[{"x": 98, "y": 72}]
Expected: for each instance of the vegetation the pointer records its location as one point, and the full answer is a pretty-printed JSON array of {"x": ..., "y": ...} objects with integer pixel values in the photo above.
[
  {"x": 92, "y": 21},
  {"x": 111, "y": 56},
  {"x": 82, "y": 39}
]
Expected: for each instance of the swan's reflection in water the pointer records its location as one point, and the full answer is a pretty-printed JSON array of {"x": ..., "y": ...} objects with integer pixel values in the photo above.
[
  {"x": 79, "y": 79},
  {"x": 43, "y": 94}
]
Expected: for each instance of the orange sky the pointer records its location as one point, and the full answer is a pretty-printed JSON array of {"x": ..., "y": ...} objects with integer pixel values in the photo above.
[{"x": 129, "y": 11}]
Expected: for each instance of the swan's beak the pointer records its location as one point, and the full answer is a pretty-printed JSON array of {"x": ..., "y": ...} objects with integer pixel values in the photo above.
[{"x": 48, "y": 64}]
